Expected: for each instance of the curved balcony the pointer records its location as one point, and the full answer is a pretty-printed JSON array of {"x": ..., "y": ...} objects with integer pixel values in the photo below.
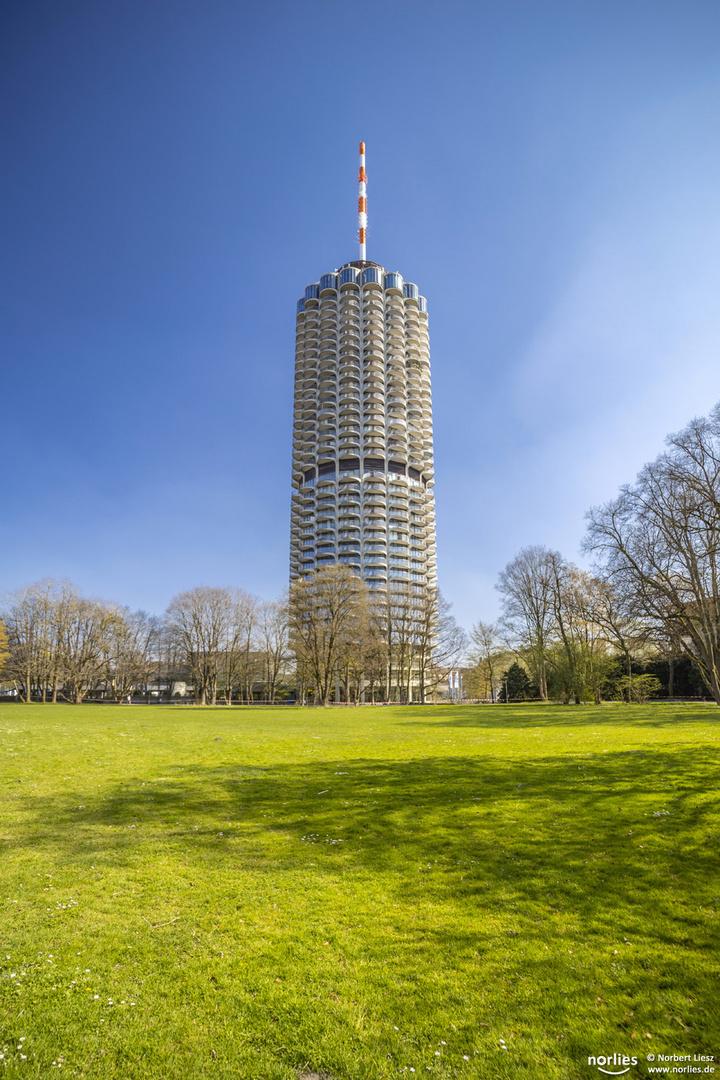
[{"x": 373, "y": 330}]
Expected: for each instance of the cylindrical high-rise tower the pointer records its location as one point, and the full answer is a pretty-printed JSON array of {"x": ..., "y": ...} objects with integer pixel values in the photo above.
[{"x": 362, "y": 431}]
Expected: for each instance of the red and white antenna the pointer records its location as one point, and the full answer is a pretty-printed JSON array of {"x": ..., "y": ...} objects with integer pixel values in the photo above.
[{"x": 362, "y": 202}]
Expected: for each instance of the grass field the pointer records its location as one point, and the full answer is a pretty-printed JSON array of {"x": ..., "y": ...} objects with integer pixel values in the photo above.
[{"x": 491, "y": 892}]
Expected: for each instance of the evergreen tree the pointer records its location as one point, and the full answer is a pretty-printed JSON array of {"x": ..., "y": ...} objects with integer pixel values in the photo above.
[{"x": 516, "y": 684}]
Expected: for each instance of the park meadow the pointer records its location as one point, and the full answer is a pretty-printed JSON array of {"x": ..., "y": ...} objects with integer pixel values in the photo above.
[{"x": 358, "y": 893}]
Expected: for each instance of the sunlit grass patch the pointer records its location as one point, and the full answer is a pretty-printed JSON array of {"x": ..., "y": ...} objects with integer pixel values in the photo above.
[{"x": 466, "y": 892}]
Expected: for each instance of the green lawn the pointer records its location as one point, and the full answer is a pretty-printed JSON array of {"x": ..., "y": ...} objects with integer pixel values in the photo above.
[{"x": 253, "y": 894}]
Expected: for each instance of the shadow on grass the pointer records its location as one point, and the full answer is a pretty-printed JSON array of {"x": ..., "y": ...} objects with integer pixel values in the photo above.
[
  {"x": 613, "y": 836},
  {"x": 541, "y": 715}
]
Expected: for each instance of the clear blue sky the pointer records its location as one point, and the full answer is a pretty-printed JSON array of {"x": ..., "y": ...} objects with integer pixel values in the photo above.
[{"x": 176, "y": 171}]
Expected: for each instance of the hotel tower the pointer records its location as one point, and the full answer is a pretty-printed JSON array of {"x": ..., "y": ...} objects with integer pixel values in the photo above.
[{"x": 362, "y": 468}]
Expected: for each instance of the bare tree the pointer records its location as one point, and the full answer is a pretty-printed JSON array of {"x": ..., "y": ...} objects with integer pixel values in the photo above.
[
  {"x": 198, "y": 621},
  {"x": 398, "y": 616},
  {"x": 625, "y": 630},
  {"x": 488, "y": 657},
  {"x": 526, "y": 586},
  {"x": 273, "y": 643},
  {"x": 4, "y": 649},
  {"x": 83, "y": 638},
  {"x": 45, "y": 598},
  {"x": 56, "y": 637},
  {"x": 22, "y": 620},
  {"x": 366, "y": 664},
  {"x": 659, "y": 541},
  {"x": 241, "y": 662},
  {"x": 63, "y": 597},
  {"x": 570, "y": 593},
  {"x": 580, "y": 660},
  {"x": 170, "y": 659},
  {"x": 439, "y": 642},
  {"x": 130, "y": 650},
  {"x": 324, "y": 608}
]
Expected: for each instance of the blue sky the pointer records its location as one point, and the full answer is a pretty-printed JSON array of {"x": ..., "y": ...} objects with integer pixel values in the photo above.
[{"x": 176, "y": 171}]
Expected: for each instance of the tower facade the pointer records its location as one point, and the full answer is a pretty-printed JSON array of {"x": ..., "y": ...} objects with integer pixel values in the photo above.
[{"x": 362, "y": 468}]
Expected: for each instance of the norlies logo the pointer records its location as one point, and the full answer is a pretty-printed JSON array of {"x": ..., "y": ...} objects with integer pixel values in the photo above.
[{"x": 614, "y": 1060}]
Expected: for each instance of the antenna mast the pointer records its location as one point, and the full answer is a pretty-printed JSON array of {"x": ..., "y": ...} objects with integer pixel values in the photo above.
[{"x": 362, "y": 202}]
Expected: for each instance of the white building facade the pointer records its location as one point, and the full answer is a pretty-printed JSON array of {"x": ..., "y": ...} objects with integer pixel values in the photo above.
[{"x": 362, "y": 466}]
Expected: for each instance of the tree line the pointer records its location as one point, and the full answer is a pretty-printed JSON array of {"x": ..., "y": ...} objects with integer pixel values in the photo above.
[
  {"x": 330, "y": 640},
  {"x": 58, "y": 644},
  {"x": 354, "y": 645},
  {"x": 652, "y": 599}
]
